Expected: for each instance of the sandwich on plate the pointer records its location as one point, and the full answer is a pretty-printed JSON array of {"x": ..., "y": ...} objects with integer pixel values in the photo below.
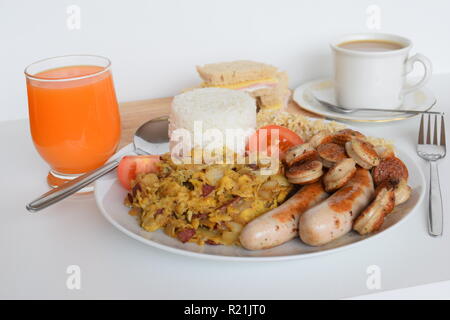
[{"x": 264, "y": 82}]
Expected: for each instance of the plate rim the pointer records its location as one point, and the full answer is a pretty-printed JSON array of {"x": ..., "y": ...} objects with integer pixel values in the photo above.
[
  {"x": 301, "y": 88},
  {"x": 128, "y": 149}
]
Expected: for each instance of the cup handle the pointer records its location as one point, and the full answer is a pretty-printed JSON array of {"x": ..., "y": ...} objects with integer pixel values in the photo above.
[{"x": 428, "y": 69}]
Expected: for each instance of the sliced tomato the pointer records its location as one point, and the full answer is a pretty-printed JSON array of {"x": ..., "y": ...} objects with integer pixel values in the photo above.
[
  {"x": 130, "y": 166},
  {"x": 262, "y": 139}
]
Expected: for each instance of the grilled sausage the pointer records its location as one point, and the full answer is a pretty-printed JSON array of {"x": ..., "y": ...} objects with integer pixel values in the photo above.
[
  {"x": 345, "y": 135},
  {"x": 363, "y": 153},
  {"x": 391, "y": 169},
  {"x": 305, "y": 173},
  {"x": 319, "y": 138},
  {"x": 300, "y": 153},
  {"x": 372, "y": 218},
  {"x": 339, "y": 175},
  {"x": 402, "y": 192},
  {"x": 331, "y": 153},
  {"x": 333, "y": 218},
  {"x": 280, "y": 224}
]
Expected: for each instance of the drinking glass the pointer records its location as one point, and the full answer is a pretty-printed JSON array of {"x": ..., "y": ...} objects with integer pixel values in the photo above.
[{"x": 74, "y": 115}]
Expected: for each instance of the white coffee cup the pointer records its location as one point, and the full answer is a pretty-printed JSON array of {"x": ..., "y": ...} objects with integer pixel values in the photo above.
[{"x": 374, "y": 79}]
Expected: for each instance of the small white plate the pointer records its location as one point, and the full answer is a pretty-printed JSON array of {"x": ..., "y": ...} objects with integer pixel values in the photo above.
[
  {"x": 110, "y": 195},
  {"x": 420, "y": 100}
]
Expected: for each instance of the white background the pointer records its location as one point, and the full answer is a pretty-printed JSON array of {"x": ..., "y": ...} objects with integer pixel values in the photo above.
[{"x": 155, "y": 45}]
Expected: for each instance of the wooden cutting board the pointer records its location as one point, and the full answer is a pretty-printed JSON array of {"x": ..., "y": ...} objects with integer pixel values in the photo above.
[{"x": 136, "y": 113}]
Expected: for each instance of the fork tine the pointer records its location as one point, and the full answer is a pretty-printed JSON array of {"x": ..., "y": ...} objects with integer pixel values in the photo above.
[
  {"x": 429, "y": 130},
  {"x": 435, "y": 134},
  {"x": 442, "y": 131},
  {"x": 421, "y": 130}
]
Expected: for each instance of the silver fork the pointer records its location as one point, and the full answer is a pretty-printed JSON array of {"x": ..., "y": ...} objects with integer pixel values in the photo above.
[{"x": 433, "y": 152}]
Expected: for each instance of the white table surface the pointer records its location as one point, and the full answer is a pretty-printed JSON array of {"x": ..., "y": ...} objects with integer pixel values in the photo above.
[{"x": 35, "y": 250}]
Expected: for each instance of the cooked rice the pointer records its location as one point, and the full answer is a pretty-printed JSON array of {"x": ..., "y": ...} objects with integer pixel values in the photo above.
[{"x": 307, "y": 127}]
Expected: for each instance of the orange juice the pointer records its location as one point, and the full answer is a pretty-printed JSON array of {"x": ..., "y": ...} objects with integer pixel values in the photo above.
[{"x": 74, "y": 117}]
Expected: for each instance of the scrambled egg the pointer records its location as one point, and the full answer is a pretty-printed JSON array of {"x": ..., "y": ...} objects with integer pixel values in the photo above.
[{"x": 204, "y": 203}]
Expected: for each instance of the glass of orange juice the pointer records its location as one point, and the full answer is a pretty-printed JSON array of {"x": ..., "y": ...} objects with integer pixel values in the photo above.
[{"x": 74, "y": 116}]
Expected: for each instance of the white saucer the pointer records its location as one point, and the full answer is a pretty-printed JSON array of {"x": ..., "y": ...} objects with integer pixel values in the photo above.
[{"x": 420, "y": 100}]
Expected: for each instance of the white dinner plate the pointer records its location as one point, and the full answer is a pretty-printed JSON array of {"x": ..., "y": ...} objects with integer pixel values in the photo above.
[
  {"x": 420, "y": 100},
  {"x": 110, "y": 195}
]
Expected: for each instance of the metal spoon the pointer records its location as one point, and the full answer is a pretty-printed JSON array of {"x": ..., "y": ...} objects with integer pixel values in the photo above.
[
  {"x": 340, "y": 109},
  {"x": 150, "y": 138}
]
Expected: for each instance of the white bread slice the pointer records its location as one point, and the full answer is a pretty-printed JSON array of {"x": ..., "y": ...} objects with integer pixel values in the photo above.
[
  {"x": 275, "y": 101},
  {"x": 224, "y": 73}
]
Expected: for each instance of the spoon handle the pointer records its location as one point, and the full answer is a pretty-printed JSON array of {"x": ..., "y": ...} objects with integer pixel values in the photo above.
[
  {"x": 57, "y": 194},
  {"x": 397, "y": 111},
  {"x": 346, "y": 110}
]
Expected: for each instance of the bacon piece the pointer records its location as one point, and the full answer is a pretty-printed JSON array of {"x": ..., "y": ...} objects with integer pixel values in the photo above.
[
  {"x": 207, "y": 189},
  {"x": 135, "y": 189},
  {"x": 130, "y": 198},
  {"x": 185, "y": 235}
]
